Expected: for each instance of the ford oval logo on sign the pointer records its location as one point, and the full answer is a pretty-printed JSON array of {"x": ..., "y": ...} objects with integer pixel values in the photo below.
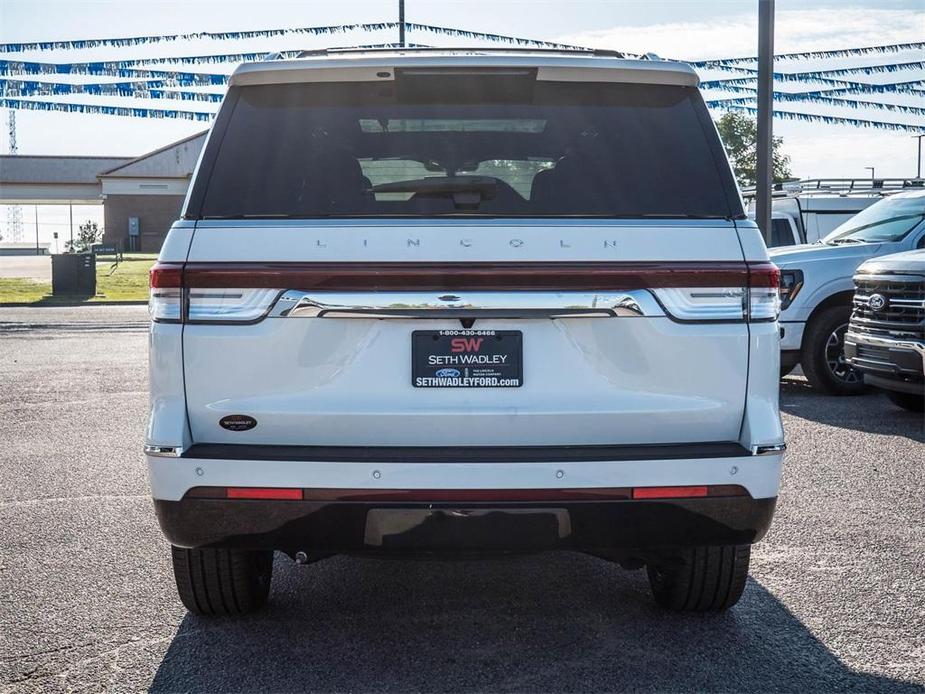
[
  {"x": 447, "y": 373},
  {"x": 877, "y": 302},
  {"x": 237, "y": 422}
]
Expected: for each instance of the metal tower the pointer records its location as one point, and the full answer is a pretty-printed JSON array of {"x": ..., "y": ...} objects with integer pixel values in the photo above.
[{"x": 13, "y": 212}]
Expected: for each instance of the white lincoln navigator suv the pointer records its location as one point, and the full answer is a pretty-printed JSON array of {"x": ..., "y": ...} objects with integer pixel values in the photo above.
[{"x": 463, "y": 302}]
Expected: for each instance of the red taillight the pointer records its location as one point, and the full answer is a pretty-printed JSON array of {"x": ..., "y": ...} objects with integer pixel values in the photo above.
[
  {"x": 263, "y": 493},
  {"x": 474, "y": 276},
  {"x": 669, "y": 492},
  {"x": 165, "y": 301},
  {"x": 207, "y": 299},
  {"x": 763, "y": 292},
  {"x": 763, "y": 275},
  {"x": 166, "y": 275}
]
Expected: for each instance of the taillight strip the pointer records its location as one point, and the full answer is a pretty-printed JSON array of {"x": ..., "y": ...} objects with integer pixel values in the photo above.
[
  {"x": 171, "y": 284},
  {"x": 468, "y": 276},
  {"x": 466, "y": 495}
]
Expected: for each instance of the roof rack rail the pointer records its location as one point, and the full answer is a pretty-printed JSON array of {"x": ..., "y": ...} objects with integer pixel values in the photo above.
[
  {"x": 597, "y": 52},
  {"x": 841, "y": 186}
]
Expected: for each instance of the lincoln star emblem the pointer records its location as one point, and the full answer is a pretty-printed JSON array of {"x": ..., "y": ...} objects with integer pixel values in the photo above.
[{"x": 877, "y": 302}]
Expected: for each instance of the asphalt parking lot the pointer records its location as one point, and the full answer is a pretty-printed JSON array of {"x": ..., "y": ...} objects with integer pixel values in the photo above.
[{"x": 836, "y": 600}]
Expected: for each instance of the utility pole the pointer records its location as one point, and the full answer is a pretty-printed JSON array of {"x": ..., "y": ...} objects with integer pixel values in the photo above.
[
  {"x": 765, "y": 116},
  {"x": 401, "y": 23},
  {"x": 918, "y": 159},
  {"x": 13, "y": 212},
  {"x": 871, "y": 169}
]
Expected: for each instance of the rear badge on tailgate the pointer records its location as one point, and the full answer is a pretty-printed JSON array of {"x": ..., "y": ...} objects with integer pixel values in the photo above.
[
  {"x": 237, "y": 422},
  {"x": 466, "y": 358}
]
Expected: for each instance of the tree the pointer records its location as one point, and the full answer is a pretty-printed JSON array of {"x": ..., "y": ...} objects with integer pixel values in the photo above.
[
  {"x": 88, "y": 233},
  {"x": 740, "y": 136}
]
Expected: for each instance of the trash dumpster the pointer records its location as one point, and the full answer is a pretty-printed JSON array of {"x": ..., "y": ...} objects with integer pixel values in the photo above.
[{"x": 73, "y": 273}]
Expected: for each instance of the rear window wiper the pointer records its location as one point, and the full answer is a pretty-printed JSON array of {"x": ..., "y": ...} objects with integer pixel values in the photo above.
[{"x": 466, "y": 191}]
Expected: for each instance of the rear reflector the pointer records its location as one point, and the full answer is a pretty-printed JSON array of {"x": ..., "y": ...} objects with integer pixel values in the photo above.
[
  {"x": 467, "y": 495},
  {"x": 263, "y": 493},
  {"x": 669, "y": 492}
]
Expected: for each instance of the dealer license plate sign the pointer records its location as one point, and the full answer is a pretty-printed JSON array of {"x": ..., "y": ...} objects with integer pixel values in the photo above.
[{"x": 467, "y": 358}]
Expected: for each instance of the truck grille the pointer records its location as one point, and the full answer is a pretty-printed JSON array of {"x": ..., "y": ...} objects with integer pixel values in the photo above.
[{"x": 903, "y": 306}]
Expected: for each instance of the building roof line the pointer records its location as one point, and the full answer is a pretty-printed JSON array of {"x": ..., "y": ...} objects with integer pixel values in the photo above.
[
  {"x": 147, "y": 155},
  {"x": 61, "y": 156}
]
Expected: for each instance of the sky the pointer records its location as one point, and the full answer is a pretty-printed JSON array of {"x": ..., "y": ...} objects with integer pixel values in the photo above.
[{"x": 685, "y": 29}]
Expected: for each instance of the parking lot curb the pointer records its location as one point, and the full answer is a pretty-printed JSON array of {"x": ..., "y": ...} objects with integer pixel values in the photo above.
[{"x": 66, "y": 304}]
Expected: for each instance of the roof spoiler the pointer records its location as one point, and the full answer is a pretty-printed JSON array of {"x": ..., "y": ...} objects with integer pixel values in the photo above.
[{"x": 576, "y": 50}]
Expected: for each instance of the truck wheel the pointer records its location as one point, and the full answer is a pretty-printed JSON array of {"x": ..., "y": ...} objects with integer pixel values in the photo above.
[
  {"x": 705, "y": 579},
  {"x": 823, "y": 354},
  {"x": 907, "y": 401},
  {"x": 222, "y": 581}
]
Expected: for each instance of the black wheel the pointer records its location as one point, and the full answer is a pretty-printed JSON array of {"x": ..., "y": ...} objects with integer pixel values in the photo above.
[
  {"x": 222, "y": 581},
  {"x": 907, "y": 401},
  {"x": 701, "y": 579},
  {"x": 823, "y": 354}
]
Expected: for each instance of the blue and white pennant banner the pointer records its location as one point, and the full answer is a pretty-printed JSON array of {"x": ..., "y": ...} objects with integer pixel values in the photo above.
[
  {"x": 269, "y": 33},
  {"x": 132, "y": 112}
]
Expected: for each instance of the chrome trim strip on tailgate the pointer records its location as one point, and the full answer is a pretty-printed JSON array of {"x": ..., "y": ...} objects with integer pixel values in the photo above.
[
  {"x": 513, "y": 304},
  {"x": 468, "y": 454}
]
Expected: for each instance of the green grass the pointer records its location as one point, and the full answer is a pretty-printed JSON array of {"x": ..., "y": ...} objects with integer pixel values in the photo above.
[{"x": 127, "y": 281}]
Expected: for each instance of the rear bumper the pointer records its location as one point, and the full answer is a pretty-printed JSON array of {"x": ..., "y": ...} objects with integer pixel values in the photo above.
[
  {"x": 497, "y": 468},
  {"x": 329, "y": 527},
  {"x": 481, "y": 499}
]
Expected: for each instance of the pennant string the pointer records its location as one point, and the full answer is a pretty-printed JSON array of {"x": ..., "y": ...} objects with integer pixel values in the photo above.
[
  {"x": 154, "y": 78},
  {"x": 133, "y": 112}
]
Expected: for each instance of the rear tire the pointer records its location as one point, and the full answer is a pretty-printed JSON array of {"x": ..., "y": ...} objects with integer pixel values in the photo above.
[
  {"x": 706, "y": 579},
  {"x": 823, "y": 354},
  {"x": 907, "y": 401},
  {"x": 222, "y": 581}
]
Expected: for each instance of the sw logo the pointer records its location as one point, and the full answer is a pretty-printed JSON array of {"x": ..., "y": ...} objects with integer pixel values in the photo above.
[{"x": 466, "y": 344}]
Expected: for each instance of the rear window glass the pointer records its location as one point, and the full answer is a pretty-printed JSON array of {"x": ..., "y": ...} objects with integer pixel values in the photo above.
[
  {"x": 477, "y": 147},
  {"x": 781, "y": 232}
]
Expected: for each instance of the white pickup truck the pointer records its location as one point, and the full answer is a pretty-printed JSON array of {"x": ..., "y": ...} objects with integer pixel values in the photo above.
[{"x": 817, "y": 287}]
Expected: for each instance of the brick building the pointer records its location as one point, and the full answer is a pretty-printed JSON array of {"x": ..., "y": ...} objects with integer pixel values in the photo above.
[{"x": 149, "y": 188}]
